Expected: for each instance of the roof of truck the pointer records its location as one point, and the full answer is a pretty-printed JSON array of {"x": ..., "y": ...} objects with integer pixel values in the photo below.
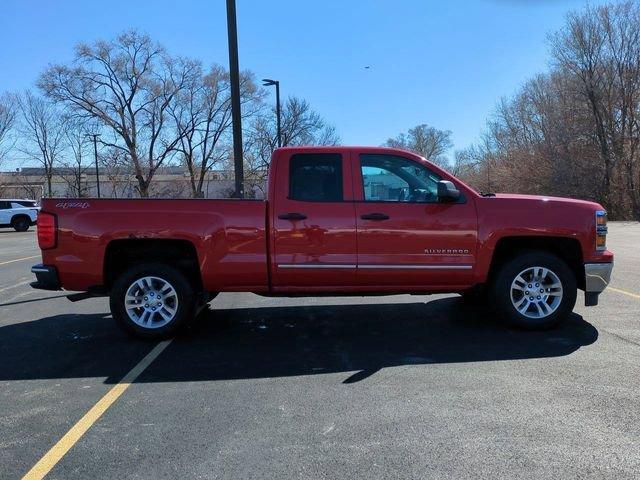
[{"x": 345, "y": 148}]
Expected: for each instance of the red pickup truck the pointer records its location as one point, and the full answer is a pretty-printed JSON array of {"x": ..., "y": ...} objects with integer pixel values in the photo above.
[{"x": 337, "y": 221}]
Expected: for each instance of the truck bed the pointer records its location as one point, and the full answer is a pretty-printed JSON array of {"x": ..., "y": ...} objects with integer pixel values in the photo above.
[{"x": 227, "y": 233}]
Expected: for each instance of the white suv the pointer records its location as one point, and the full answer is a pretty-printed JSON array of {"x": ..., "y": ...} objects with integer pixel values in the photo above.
[{"x": 19, "y": 214}]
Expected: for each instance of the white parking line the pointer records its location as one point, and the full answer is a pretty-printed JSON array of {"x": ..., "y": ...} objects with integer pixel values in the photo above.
[
  {"x": 15, "y": 286},
  {"x": 19, "y": 259}
]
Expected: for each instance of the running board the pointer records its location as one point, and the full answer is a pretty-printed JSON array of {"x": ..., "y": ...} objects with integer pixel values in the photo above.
[{"x": 76, "y": 297}]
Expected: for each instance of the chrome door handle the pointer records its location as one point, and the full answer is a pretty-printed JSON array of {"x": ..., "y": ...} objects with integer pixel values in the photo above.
[
  {"x": 375, "y": 216},
  {"x": 292, "y": 216}
]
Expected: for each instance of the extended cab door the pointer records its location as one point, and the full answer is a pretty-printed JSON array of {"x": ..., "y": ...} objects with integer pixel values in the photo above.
[
  {"x": 406, "y": 237},
  {"x": 313, "y": 215}
]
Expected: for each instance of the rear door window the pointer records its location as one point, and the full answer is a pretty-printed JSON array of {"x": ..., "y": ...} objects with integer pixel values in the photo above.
[{"x": 316, "y": 177}]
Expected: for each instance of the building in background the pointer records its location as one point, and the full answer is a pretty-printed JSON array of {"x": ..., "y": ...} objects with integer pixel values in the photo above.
[{"x": 168, "y": 182}]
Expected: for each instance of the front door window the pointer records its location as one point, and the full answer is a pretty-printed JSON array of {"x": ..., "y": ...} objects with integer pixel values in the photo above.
[{"x": 387, "y": 178}]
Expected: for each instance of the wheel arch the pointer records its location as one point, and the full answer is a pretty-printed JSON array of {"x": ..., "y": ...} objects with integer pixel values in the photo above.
[
  {"x": 181, "y": 254},
  {"x": 567, "y": 249},
  {"x": 17, "y": 216}
]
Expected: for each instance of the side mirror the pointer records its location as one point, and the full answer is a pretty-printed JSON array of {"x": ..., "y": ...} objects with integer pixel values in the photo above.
[{"x": 447, "y": 192}]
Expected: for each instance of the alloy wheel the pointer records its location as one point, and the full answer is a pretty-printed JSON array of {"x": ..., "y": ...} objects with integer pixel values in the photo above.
[
  {"x": 151, "y": 302},
  {"x": 536, "y": 292}
]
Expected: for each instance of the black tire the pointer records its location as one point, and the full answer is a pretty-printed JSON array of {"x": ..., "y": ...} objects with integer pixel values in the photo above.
[
  {"x": 21, "y": 224},
  {"x": 185, "y": 294},
  {"x": 501, "y": 291}
]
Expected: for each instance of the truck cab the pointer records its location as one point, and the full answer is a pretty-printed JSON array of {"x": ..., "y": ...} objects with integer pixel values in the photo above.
[{"x": 368, "y": 219}]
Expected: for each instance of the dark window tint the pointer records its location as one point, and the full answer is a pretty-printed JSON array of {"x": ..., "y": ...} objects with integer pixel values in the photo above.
[
  {"x": 315, "y": 177},
  {"x": 387, "y": 178},
  {"x": 27, "y": 204},
  {"x": 4, "y": 205}
]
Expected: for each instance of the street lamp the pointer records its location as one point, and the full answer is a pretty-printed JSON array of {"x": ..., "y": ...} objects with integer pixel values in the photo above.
[
  {"x": 267, "y": 82},
  {"x": 95, "y": 154}
]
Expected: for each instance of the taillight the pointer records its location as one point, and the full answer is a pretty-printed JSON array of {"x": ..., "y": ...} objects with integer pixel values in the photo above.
[
  {"x": 601, "y": 230},
  {"x": 47, "y": 230}
]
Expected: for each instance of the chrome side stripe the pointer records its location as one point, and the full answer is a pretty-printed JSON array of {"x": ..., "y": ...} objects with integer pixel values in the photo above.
[
  {"x": 314, "y": 265},
  {"x": 371, "y": 267},
  {"x": 417, "y": 267}
]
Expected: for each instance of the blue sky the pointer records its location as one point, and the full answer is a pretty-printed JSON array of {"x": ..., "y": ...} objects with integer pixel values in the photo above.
[{"x": 445, "y": 63}]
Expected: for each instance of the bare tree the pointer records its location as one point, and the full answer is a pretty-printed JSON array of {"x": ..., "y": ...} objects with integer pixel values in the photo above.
[
  {"x": 575, "y": 130},
  {"x": 427, "y": 141},
  {"x": 74, "y": 170},
  {"x": 8, "y": 116},
  {"x": 128, "y": 84},
  {"x": 600, "y": 49},
  {"x": 468, "y": 164},
  {"x": 202, "y": 118},
  {"x": 119, "y": 180},
  {"x": 300, "y": 125},
  {"x": 43, "y": 132}
]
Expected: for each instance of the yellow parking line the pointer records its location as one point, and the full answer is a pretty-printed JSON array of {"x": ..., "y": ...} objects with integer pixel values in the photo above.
[
  {"x": 53, "y": 456},
  {"x": 19, "y": 260},
  {"x": 624, "y": 292}
]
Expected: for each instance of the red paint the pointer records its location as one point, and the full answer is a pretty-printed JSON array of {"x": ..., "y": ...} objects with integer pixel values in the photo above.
[
  {"x": 412, "y": 235},
  {"x": 326, "y": 236},
  {"x": 243, "y": 245}
]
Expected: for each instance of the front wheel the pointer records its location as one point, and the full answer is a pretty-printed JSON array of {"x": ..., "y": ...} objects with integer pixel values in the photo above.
[
  {"x": 535, "y": 290},
  {"x": 152, "y": 301}
]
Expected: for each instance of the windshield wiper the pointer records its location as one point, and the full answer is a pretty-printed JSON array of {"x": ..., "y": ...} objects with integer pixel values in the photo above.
[{"x": 487, "y": 194}]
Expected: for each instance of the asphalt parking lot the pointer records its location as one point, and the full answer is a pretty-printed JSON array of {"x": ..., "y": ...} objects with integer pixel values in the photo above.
[{"x": 386, "y": 387}]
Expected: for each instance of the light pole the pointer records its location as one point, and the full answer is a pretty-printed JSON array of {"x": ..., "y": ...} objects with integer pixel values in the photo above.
[
  {"x": 267, "y": 82},
  {"x": 95, "y": 156},
  {"x": 234, "y": 76}
]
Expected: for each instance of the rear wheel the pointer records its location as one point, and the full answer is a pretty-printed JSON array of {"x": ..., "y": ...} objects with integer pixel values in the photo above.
[
  {"x": 152, "y": 301},
  {"x": 535, "y": 290},
  {"x": 21, "y": 224}
]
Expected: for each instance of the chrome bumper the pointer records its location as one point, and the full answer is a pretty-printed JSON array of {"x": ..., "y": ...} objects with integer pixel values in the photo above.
[
  {"x": 596, "y": 279},
  {"x": 597, "y": 276}
]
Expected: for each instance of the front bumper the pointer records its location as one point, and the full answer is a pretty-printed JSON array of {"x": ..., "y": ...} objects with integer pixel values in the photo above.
[
  {"x": 596, "y": 279},
  {"x": 46, "y": 277}
]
